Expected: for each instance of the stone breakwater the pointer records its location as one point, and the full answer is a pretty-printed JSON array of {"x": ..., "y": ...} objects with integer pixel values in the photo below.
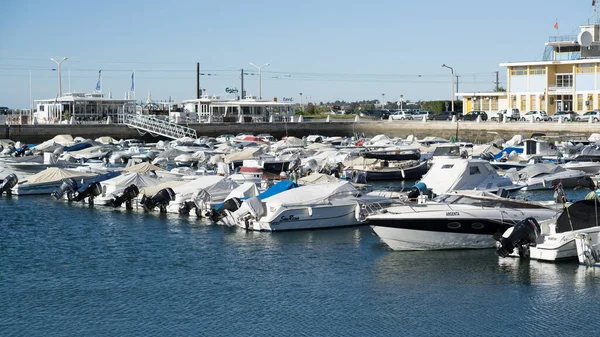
[{"x": 471, "y": 131}]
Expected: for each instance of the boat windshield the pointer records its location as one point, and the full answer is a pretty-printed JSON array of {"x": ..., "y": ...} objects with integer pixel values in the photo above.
[
  {"x": 484, "y": 202},
  {"x": 453, "y": 151}
]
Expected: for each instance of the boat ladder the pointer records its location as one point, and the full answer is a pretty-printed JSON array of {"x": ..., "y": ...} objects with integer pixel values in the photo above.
[{"x": 156, "y": 126}]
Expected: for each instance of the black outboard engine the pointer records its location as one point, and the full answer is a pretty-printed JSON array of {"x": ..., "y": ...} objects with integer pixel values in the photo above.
[
  {"x": 161, "y": 200},
  {"x": 22, "y": 151},
  {"x": 9, "y": 182},
  {"x": 231, "y": 205},
  {"x": 416, "y": 190},
  {"x": 69, "y": 186},
  {"x": 359, "y": 177},
  {"x": 128, "y": 194},
  {"x": 524, "y": 235},
  {"x": 91, "y": 191}
]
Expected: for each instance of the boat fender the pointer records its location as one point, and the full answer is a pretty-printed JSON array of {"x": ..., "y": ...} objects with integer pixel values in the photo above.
[
  {"x": 358, "y": 213},
  {"x": 310, "y": 212}
]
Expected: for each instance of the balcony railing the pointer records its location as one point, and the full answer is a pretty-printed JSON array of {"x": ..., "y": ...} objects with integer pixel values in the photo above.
[{"x": 562, "y": 38}]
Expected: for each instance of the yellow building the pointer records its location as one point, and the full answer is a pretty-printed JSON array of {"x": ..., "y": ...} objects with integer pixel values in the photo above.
[{"x": 567, "y": 79}]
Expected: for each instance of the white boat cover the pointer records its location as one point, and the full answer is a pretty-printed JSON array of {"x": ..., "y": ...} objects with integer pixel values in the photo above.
[
  {"x": 514, "y": 141},
  {"x": 48, "y": 146},
  {"x": 311, "y": 194},
  {"x": 478, "y": 150},
  {"x": 201, "y": 183},
  {"x": 380, "y": 138},
  {"x": 170, "y": 153},
  {"x": 63, "y": 139},
  {"x": 106, "y": 140},
  {"x": 124, "y": 180},
  {"x": 144, "y": 167},
  {"x": 90, "y": 152},
  {"x": 152, "y": 190},
  {"x": 245, "y": 190},
  {"x": 218, "y": 191},
  {"x": 53, "y": 174},
  {"x": 319, "y": 146},
  {"x": 6, "y": 142},
  {"x": 248, "y": 153},
  {"x": 317, "y": 178}
]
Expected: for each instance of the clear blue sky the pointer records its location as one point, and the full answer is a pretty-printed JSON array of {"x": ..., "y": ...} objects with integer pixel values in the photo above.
[{"x": 347, "y": 50}]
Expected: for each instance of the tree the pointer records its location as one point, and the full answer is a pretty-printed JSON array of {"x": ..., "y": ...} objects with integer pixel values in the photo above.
[{"x": 499, "y": 89}]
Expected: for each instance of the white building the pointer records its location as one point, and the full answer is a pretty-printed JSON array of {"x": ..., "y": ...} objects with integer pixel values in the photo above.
[
  {"x": 82, "y": 107},
  {"x": 230, "y": 110}
]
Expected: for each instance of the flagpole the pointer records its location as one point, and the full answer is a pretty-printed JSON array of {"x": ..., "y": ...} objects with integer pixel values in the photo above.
[{"x": 558, "y": 36}]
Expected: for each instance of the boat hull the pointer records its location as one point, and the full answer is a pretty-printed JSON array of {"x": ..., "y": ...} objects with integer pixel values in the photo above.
[
  {"x": 298, "y": 218},
  {"x": 437, "y": 234}
]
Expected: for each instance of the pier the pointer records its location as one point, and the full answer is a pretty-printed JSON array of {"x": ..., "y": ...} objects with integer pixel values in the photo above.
[{"x": 471, "y": 131}]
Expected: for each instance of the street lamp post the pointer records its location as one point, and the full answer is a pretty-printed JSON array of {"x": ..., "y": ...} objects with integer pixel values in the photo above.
[
  {"x": 401, "y": 101},
  {"x": 259, "y": 77},
  {"x": 383, "y": 100},
  {"x": 452, "y": 83},
  {"x": 301, "y": 106},
  {"x": 59, "y": 79}
]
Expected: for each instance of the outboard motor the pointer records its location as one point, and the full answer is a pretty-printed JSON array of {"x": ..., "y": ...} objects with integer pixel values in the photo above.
[
  {"x": 161, "y": 200},
  {"x": 128, "y": 194},
  {"x": 22, "y": 151},
  {"x": 69, "y": 186},
  {"x": 91, "y": 191},
  {"x": 523, "y": 235},
  {"x": 9, "y": 182},
  {"x": 416, "y": 190},
  {"x": 231, "y": 205},
  {"x": 359, "y": 177}
]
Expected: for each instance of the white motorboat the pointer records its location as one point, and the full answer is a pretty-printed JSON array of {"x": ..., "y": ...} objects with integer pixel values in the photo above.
[
  {"x": 588, "y": 249},
  {"x": 590, "y": 167},
  {"x": 557, "y": 239},
  {"x": 544, "y": 176},
  {"x": 461, "y": 220},
  {"x": 307, "y": 207},
  {"x": 112, "y": 188},
  {"x": 49, "y": 180},
  {"x": 453, "y": 174}
]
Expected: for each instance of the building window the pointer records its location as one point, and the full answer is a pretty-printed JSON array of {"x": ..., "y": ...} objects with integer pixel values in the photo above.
[
  {"x": 532, "y": 103},
  {"x": 580, "y": 102},
  {"x": 585, "y": 69},
  {"x": 537, "y": 70},
  {"x": 543, "y": 103},
  {"x": 518, "y": 71},
  {"x": 494, "y": 106},
  {"x": 523, "y": 103},
  {"x": 476, "y": 103},
  {"x": 564, "y": 81},
  {"x": 513, "y": 100}
]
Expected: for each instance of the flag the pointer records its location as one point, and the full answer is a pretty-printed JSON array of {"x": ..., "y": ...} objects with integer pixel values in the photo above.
[
  {"x": 133, "y": 81},
  {"x": 98, "y": 83},
  {"x": 556, "y": 25}
]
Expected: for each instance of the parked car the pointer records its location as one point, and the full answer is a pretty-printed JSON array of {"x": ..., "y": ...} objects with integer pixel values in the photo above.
[
  {"x": 471, "y": 116},
  {"x": 564, "y": 116},
  {"x": 418, "y": 114},
  {"x": 444, "y": 116},
  {"x": 595, "y": 115},
  {"x": 512, "y": 114},
  {"x": 401, "y": 115},
  {"x": 536, "y": 116}
]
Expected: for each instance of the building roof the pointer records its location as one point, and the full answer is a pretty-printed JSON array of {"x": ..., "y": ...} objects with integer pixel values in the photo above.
[
  {"x": 544, "y": 63},
  {"x": 84, "y": 97}
]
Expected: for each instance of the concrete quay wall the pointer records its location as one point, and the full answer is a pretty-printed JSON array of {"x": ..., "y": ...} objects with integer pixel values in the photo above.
[{"x": 471, "y": 131}]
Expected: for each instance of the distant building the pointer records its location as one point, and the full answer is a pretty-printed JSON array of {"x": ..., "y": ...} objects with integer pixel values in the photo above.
[
  {"x": 82, "y": 107},
  {"x": 230, "y": 110},
  {"x": 568, "y": 78}
]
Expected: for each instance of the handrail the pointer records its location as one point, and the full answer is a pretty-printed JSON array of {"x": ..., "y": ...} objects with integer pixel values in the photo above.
[{"x": 157, "y": 126}]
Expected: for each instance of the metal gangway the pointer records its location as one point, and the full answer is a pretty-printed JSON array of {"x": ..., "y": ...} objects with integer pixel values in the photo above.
[{"x": 156, "y": 126}]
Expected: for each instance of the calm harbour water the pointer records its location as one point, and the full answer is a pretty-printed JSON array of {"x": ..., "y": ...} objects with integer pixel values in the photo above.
[{"x": 71, "y": 270}]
